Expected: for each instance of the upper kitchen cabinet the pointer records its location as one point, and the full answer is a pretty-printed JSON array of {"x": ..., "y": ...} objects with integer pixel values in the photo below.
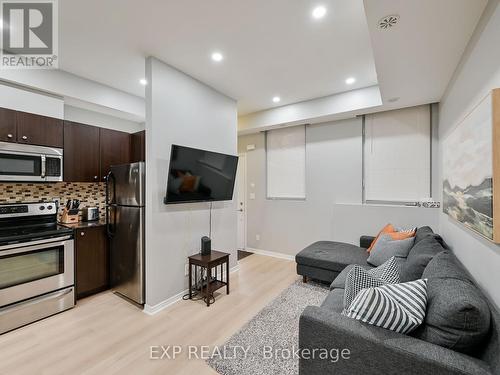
[
  {"x": 8, "y": 128},
  {"x": 39, "y": 130},
  {"x": 81, "y": 152},
  {"x": 114, "y": 149},
  {"x": 138, "y": 146}
]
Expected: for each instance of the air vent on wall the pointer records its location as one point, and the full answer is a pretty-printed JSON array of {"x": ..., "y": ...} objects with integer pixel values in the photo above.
[{"x": 388, "y": 22}]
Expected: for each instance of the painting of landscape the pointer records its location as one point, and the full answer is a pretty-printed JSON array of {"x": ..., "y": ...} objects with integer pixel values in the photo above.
[{"x": 468, "y": 171}]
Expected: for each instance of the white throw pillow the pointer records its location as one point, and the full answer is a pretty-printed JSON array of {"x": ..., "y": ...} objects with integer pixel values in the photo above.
[{"x": 398, "y": 307}]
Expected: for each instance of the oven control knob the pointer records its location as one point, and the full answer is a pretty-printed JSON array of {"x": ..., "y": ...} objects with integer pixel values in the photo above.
[
  {"x": 49, "y": 207},
  {"x": 42, "y": 208}
]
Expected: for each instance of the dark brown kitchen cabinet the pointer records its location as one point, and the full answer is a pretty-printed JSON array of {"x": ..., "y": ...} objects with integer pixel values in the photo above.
[
  {"x": 39, "y": 130},
  {"x": 81, "y": 152},
  {"x": 138, "y": 146},
  {"x": 91, "y": 261},
  {"x": 114, "y": 149},
  {"x": 8, "y": 127}
]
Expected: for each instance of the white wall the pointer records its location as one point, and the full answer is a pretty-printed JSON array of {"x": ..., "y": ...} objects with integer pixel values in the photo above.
[
  {"x": 183, "y": 111},
  {"x": 332, "y": 209},
  {"x": 85, "y": 116},
  {"x": 31, "y": 101},
  {"x": 478, "y": 73}
]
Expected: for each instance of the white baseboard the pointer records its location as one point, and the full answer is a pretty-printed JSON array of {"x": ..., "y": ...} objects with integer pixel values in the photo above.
[
  {"x": 273, "y": 254},
  {"x": 151, "y": 310}
]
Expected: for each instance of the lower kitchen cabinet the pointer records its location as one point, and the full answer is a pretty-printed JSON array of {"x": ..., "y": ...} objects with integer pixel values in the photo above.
[{"x": 91, "y": 261}]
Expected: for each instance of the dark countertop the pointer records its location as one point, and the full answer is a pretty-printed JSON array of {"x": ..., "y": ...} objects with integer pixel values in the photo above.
[{"x": 85, "y": 224}]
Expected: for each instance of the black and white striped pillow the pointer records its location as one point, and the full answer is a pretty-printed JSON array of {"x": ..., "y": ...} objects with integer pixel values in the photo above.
[
  {"x": 359, "y": 278},
  {"x": 398, "y": 307}
]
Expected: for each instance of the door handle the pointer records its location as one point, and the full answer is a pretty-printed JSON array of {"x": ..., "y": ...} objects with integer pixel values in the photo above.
[
  {"x": 24, "y": 137},
  {"x": 43, "y": 166},
  {"x": 240, "y": 210},
  {"x": 9, "y": 136}
]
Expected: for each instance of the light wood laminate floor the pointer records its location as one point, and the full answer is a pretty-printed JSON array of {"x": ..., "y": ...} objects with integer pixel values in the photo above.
[{"x": 104, "y": 334}]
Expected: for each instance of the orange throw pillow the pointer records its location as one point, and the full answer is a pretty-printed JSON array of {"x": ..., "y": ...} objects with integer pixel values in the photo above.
[{"x": 395, "y": 235}]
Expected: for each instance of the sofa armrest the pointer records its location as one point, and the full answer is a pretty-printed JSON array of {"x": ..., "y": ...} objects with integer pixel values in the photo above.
[
  {"x": 365, "y": 241},
  {"x": 374, "y": 350}
]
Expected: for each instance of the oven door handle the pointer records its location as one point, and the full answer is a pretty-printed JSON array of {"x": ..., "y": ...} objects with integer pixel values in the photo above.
[
  {"x": 20, "y": 248},
  {"x": 43, "y": 166}
]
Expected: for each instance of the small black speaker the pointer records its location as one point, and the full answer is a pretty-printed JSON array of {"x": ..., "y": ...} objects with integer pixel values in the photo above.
[{"x": 206, "y": 245}]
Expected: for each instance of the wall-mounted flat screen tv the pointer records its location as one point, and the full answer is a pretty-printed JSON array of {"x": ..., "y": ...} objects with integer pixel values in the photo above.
[{"x": 200, "y": 176}]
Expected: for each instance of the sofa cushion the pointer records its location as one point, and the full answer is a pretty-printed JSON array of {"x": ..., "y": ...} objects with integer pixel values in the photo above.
[
  {"x": 334, "y": 256},
  {"x": 423, "y": 232},
  {"x": 386, "y": 247},
  {"x": 458, "y": 316},
  {"x": 334, "y": 301},
  {"x": 446, "y": 265},
  {"x": 419, "y": 256},
  {"x": 339, "y": 281}
]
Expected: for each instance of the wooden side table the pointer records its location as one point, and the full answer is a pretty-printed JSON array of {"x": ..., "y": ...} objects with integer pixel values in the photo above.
[{"x": 208, "y": 262}]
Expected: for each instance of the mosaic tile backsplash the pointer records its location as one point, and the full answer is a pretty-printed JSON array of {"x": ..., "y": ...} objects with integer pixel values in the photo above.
[{"x": 90, "y": 194}]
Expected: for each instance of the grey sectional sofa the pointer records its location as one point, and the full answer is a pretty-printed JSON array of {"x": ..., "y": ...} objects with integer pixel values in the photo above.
[{"x": 472, "y": 349}]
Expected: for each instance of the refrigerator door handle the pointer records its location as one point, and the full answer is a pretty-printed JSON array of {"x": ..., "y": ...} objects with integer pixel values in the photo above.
[
  {"x": 111, "y": 221},
  {"x": 110, "y": 177},
  {"x": 110, "y": 180}
]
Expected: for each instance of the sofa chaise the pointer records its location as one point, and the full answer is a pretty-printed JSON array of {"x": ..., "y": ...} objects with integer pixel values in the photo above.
[{"x": 375, "y": 350}]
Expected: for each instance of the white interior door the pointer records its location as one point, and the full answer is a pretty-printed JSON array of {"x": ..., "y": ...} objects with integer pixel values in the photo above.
[{"x": 241, "y": 202}]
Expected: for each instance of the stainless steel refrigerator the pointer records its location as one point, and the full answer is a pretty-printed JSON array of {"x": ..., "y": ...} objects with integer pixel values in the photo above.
[{"x": 125, "y": 226}]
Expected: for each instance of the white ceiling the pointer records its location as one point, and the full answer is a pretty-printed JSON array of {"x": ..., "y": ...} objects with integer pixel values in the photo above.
[
  {"x": 271, "y": 47},
  {"x": 416, "y": 59}
]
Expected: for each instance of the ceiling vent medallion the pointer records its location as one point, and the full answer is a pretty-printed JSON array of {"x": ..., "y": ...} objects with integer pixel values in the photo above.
[{"x": 388, "y": 22}]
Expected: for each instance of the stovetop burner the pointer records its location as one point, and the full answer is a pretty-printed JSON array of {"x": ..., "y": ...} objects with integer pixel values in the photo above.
[{"x": 29, "y": 221}]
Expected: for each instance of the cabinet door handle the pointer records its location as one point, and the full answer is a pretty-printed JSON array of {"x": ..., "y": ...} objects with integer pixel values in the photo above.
[
  {"x": 9, "y": 135},
  {"x": 95, "y": 178},
  {"x": 24, "y": 137},
  {"x": 82, "y": 234}
]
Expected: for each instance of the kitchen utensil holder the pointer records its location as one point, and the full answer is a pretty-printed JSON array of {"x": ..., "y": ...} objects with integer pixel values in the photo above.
[{"x": 69, "y": 216}]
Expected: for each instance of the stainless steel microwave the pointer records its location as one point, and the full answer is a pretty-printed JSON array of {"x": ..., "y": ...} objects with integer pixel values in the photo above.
[{"x": 19, "y": 162}]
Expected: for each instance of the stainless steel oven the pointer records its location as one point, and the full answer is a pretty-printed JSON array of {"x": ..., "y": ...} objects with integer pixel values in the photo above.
[
  {"x": 19, "y": 162},
  {"x": 36, "y": 280}
]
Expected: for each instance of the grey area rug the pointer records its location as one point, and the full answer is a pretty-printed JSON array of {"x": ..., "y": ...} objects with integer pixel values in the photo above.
[{"x": 275, "y": 327}]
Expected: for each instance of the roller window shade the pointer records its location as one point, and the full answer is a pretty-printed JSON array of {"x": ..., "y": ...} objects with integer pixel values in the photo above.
[{"x": 286, "y": 163}]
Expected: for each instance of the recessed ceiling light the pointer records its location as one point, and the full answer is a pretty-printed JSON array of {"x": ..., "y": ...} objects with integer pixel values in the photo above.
[
  {"x": 217, "y": 56},
  {"x": 350, "y": 80},
  {"x": 319, "y": 12},
  {"x": 276, "y": 99},
  {"x": 143, "y": 81}
]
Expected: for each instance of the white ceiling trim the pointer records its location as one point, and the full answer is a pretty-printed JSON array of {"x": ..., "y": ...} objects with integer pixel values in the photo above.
[
  {"x": 328, "y": 108},
  {"x": 80, "y": 92}
]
